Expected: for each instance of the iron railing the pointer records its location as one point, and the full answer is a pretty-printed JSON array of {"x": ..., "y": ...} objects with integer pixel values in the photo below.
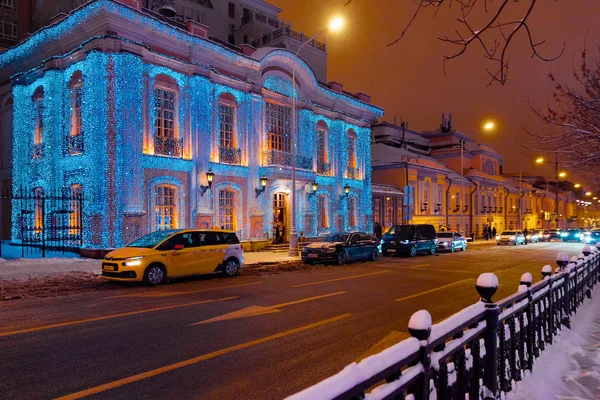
[
  {"x": 323, "y": 168},
  {"x": 74, "y": 144},
  {"x": 46, "y": 220},
  {"x": 168, "y": 146},
  {"x": 229, "y": 155},
  {"x": 479, "y": 352},
  {"x": 352, "y": 173},
  {"x": 38, "y": 151},
  {"x": 283, "y": 158},
  {"x": 286, "y": 31}
]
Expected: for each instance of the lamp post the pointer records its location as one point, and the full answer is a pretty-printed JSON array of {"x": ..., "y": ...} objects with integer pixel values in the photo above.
[
  {"x": 557, "y": 175},
  {"x": 334, "y": 25}
]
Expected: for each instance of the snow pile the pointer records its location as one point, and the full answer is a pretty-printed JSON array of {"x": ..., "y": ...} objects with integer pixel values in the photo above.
[
  {"x": 487, "y": 280},
  {"x": 421, "y": 320},
  {"x": 570, "y": 367}
]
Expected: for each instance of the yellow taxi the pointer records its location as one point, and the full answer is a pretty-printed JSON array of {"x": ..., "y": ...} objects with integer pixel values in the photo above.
[{"x": 174, "y": 253}]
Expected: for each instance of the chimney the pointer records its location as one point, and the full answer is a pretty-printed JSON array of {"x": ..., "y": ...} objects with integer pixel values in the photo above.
[
  {"x": 135, "y": 4},
  {"x": 395, "y": 120},
  {"x": 365, "y": 98},
  {"x": 443, "y": 126},
  {"x": 450, "y": 121},
  {"x": 335, "y": 86}
]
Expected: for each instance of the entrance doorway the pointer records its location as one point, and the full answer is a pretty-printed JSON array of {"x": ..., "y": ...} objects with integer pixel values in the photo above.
[{"x": 280, "y": 218}]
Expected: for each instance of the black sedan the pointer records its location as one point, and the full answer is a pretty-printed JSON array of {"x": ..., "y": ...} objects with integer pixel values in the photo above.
[
  {"x": 342, "y": 248},
  {"x": 572, "y": 235}
]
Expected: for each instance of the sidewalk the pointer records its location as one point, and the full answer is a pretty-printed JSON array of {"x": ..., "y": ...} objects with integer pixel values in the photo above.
[{"x": 570, "y": 368}]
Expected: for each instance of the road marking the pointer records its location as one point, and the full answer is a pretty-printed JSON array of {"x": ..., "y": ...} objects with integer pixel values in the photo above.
[
  {"x": 126, "y": 314},
  {"x": 394, "y": 337},
  {"x": 195, "y": 360},
  {"x": 430, "y": 269},
  {"x": 340, "y": 279},
  {"x": 259, "y": 310},
  {"x": 434, "y": 289},
  {"x": 419, "y": 266},
  {"x": 167, "y": 294}
]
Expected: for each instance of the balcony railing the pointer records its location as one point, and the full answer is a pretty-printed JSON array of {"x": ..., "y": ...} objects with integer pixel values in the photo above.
[
  {"x": 263, "y": 19},
  {"x": 352, "y": 173},
  {"x": 228, "y": 155},
  {"x": 275, "y": 157},
  {"x": 74, "y": 144},
  {"x": 168, "y": 146},
  {"x": 323, "y": 168},
  {"x": 38, "y": 151},
  {"x": 287, "y": 32}
]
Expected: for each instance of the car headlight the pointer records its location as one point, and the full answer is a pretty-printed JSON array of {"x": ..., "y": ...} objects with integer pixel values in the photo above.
[
  {"x": 404, "y": 242},
  {"x": 305, "y": 250},
  {"x": 528, "y": 237},
  {"x": 330, "y": 249},
  {"x": 513, "y": 237},
  {"x": 563, "y": 235},
  {"x": 577, "y": 235},
  {"x": 133, "y": 261},
  {"x": 381, "y": 241},
  {"x": 497, "y": 237},
  {"x": 587, "y": 233}
]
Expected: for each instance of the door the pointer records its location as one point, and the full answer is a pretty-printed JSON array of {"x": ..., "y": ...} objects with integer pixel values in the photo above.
[
  {"x": 366, "y": 245},
  {"x": 181, "y": 261},
  {"x": 280, "y": 225},
  {"x": 212, "y": 251},
  {"x": 422, "y": 243},
  {"x": 354, "y": 247}
]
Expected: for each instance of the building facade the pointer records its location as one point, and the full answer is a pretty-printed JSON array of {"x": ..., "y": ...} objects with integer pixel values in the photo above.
[{"x": 164, "y": 128}]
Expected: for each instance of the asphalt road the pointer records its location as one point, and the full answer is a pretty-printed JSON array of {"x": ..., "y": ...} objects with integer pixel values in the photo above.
[{"x": 260, "y": 337}]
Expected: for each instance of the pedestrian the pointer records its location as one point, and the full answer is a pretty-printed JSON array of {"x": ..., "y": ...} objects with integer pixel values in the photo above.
[
  {"x": 525, "y": 233},
  {"x": 276, "y": 237},
  {"x": 378, "y": 231},
  {"x": 494, "y": 232},
  {"x": 485, "y": 231}
]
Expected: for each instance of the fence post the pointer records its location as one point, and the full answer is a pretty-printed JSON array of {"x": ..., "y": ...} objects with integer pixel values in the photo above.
[
  {"x": 562, "y": 260},
  {"x": 43, "y": 203},
  {"x": 487, "y": 285},
  {"x": 419, "y": 326}
]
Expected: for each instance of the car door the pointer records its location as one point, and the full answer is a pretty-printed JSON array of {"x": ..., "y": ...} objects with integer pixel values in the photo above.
[
  {"x": 420, "y": 239},
  {"x": 365, "y": 245},
  {"x": 353, "y": 247},
  {"x": 212, "y": 250},
  {"x": 180, "y": 259}
]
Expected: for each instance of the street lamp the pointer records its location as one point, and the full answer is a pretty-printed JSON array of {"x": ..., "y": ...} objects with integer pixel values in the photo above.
[
  {"x": 335, "y": 25},
  {"x": 577, "y": 185}
]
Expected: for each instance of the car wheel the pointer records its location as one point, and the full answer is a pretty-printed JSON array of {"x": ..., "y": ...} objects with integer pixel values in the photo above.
[
  {"x": 452, "y": 248},
  {"x": 232, "y": 266},
  {"x": 155, "y": 274},
  {"x": 433, "y": 249},
  {"x": 375, "y": 255},
  {"x": 413, "y": 250},
  {"x": 341, "y": 258}
]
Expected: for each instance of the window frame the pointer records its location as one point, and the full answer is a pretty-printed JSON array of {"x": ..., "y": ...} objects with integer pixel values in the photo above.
[
  {"x": 160, "y": 208},
  {"x": 227, "y": 209},
  {"x": 278, "y": 126},
  {"x": 165, "y": 87},
  {"x": 232, "y": 134}
]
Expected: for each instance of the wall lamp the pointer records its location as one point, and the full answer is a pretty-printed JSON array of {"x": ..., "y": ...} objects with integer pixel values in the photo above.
[
  {"x": 314, "y": 186},
  {"x": 346, "y": 192},
  {"x": 263, "y": 185},
  {"x": 209, "y": 177}
]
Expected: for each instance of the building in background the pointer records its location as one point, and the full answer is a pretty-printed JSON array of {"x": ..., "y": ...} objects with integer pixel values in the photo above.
[{"x": 163, "y": 127}]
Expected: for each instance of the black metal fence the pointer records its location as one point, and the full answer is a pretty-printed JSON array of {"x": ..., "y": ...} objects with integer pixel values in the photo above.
[
  {"x": 46, "y": 220},
  {"x": 477, "y": 353}
]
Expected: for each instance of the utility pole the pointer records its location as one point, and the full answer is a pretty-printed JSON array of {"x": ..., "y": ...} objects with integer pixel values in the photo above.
[{"x": 556, "y": 197}]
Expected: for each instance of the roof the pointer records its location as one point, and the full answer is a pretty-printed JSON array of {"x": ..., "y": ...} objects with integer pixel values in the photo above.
[{"x": 386, "y": 189}]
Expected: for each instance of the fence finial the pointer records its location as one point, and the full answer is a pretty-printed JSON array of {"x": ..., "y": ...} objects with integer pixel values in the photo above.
[
  {"x": 526, "y": 279},
  {"x": 580, "y": 257},
  {"x": 546, "y": 271},
  {"x": 562, "y": 260},
  {"x": 419, "y": 325},
  {"x": 486, "y": 286},
  {"x": 586, "y": 250}
]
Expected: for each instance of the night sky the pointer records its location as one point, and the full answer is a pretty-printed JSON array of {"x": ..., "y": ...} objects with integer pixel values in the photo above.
[{"x": 408, "y": 81}]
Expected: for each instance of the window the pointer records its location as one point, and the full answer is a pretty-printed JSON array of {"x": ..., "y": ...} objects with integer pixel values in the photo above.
[
  {"x": 7, "y": 4},
  {"x": 352, "y": 212},
  {"x": 466, "y": 200},
  {"x": 278, "y": 126},
  {"x": 74, "y": 143},
  {"x": 164, "y": 108},
  {"x": 440, "y": 194},
  {"x": 351, "y": 149},
  {"x": 231, "y": 10},
  {"x": 426, "y": 193},
  {"x": 322, "y": 143},
  {"x": 322, "y": 206},
  {"x": 165, "y": 207},
  {"x": 75, "y": 222},
  {"x": 227, "y": 125},
  {"x": 8, "y": 27},
  {"x": 38, "y": 136},
  {"x": 38, "y": 210},
  {"x": 76, "y": 98},
  {"x": 227, "y": 209},
  {"x": 388, "y": 212},
  {"x": 457, "y": 198}
]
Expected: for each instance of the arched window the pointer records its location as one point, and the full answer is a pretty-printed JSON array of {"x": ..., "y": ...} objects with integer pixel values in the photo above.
[
  {"x": 352, "y": 164},
  {"x": 38, "y": 133},
  {"x": 278, "y": 120},
  {"x": 165, "y": 207},
  {"x": 38, "y": 209},
  {"x": 323, "y": 166},
  {"x": 229, "y": 151},
  {"x": 426, "y": 194},
  {"x": 323, "y": 209},
  {"x": 227, "y": 209},
  {"x": 166, "y": 104},
  {"x": 488, "y": 168},
  {"x": 75, "y": 138},
  {"x": 352, "y": 212},
  {"x": 75, "y": 222}
]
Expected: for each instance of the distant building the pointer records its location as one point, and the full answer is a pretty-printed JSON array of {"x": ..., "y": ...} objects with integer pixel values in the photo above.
[{"x": 161, "y": 125}]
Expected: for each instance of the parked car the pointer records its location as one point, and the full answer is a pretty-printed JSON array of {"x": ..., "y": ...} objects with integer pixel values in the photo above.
[
  {"x": 572, "y": 235},
  {"x": 173, "y": 253},
  {"x": 554, "y": 234},
  {"x": 451, "y": 241},
  {"x": 342, "y": 248},
  {"x": 409, "y": 240},
  {"x": 511, "y": 237},
  {"x": 594, "y": 236},
  {"x": 532, "y": 237},
  {"x": 543, "y": 235}
]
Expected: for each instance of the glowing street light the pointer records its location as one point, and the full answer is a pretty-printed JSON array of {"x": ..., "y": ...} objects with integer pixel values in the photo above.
[
  {"x": 562, "y": 174},
  {"x": 577, "y": 185},
  {"x": 489, "y": 126},
  {"x": 336, "y": 24},
  {"x": 588, "y": 193},
  {"x": 539, "y": 160}
]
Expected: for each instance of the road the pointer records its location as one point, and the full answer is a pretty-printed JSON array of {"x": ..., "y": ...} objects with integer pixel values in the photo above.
[{"x": 251, "y": 337}]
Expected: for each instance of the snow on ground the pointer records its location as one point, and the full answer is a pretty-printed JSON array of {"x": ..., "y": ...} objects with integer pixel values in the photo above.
[{"x": 570, "y": 368}]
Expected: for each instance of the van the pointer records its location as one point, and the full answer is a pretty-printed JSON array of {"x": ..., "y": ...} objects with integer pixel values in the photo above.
[{"x": 409, "y": 240}]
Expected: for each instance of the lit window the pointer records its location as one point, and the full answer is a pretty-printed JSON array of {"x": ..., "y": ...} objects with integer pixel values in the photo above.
[
  {"x": 227, "y": 209},
  {"x": 75, "y": 223},
  {"x": 227, "y": 125},
  {"x": 388, "y": 212},
  {"x": 165, "y": 207},
  {"x": 164, "y": 108},
  {"x": 323, "y": 206},
  {"x": 278, "y": 119},
  {"x": 351, "y": 149},
  {"x": 38, "y": 210},
  {"x": 38, "y": 136},
  {"x": 352, "y": 212},
  {"x": 322, "y": 144},
  {"x": 75, "y": 138}
]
